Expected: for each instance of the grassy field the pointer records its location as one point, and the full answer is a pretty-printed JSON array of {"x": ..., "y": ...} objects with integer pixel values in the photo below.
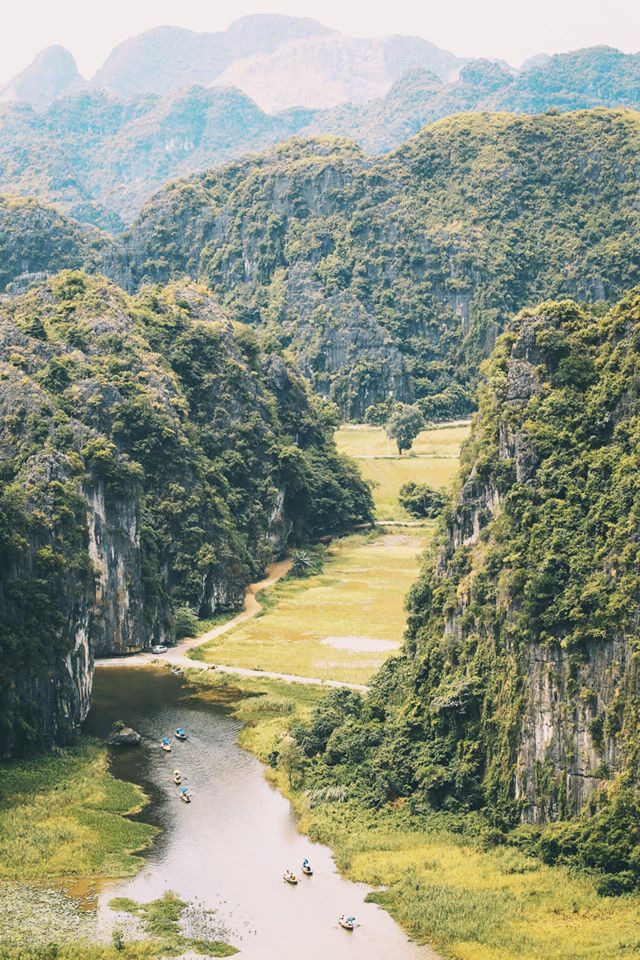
[
  {"x": 64, "y": 815},
  {"x": 388, "y": 475},
  {"x": 440, "y": 883},
  {"x": 433, "y": 459},
  {"x": 343, "y": 623},
  {"x": 362, "y": 440},
  {"x": 63, "y": 818},
  {"x": 340, "y": 624}
]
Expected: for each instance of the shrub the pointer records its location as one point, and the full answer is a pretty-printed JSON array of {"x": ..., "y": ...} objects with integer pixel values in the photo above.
[
  {"x": 421, "y": 499},
  {"x": 186, "y": 622}
]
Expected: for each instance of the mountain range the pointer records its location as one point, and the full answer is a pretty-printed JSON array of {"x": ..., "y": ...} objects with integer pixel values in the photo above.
[
  {"x": 100, "y": 153},
  {"x": 387, "y": 277},
  {"x": 261, "y": 54}
]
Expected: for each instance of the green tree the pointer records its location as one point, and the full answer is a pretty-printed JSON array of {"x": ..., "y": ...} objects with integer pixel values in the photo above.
[
  {"x": 186, "y": 622},
  {"x": 404, "y": 425},
  {"x": 421, "y": 499},
  {"x": 291, "y": 758}
]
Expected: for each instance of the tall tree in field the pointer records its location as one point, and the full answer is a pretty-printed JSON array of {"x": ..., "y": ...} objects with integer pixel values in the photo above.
[{"x": 405, "y": 424}]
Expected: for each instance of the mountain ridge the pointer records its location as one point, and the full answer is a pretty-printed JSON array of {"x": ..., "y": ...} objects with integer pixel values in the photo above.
[
  {"x": 388, "y": 277},
  {"x": 100, "y": 157}
]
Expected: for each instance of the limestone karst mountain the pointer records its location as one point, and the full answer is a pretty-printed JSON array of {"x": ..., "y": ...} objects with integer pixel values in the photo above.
[
  {"x": 52, "y": 74},
  {"x": 327, "y": 70},
  {"x": 388, "y": 277},
  {"x": 152, "y": 454},
  {"x": 166, "y": 59},
  {"x": 99, "y": 157}
]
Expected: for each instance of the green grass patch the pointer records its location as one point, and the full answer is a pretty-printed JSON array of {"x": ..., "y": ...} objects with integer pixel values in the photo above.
[
  {"x": 210, "y": 623},
  {"x": 160, "y": 920},
  {"x": 339, "y": 624},
  {"x": 64, "y": 815}
]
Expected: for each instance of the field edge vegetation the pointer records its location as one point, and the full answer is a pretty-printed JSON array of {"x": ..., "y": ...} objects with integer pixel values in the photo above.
[{"x": 442, "y": 876}]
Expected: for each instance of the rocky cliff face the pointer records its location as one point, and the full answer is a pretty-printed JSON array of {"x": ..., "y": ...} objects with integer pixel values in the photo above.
[
  {"x": 121, "y": 620},
  {"x": 517, "y": 692},
  {"x": 151, "y": 457},
  {"x": 393, "y": 277},
  {"x": 532, "y": 575}
]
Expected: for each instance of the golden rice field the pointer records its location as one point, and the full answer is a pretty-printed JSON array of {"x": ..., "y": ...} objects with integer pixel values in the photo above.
[
  {"x": 344, "y": 622},
  {"x": 340, "y": 624},
  {"x": 362, "y": 440},
  {"x": 434, "y": 459}
]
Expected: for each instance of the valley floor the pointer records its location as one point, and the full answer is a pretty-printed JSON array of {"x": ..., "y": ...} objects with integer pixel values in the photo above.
[
  {"x": 62, "y": 816},
  {"x": 441, "y": 880},
  {"x": 342, "y": 623}
]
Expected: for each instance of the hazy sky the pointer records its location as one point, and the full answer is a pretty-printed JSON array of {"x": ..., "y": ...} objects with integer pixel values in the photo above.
[{"x": 508, "y": 29}]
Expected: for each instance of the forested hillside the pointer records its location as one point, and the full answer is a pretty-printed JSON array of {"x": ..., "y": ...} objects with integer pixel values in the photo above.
[
  {"x": 152, "y": 456},
  {"x": 35, "y": 238},
  {"x": 99, "y": 155},
  {"x": 517, "y": 692},
  {"x": 393, "y": 277},
  {"x": 388, "y": 278}
]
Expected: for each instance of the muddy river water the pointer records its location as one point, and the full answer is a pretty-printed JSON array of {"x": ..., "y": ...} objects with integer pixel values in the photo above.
[{"x": 228, "y": 849}]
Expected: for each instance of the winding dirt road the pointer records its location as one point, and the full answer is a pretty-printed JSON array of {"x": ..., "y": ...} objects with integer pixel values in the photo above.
[{"x": 177, "y": 656}]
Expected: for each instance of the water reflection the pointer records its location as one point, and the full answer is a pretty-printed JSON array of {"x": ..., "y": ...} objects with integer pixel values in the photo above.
[{"x": 227, "y": 850}]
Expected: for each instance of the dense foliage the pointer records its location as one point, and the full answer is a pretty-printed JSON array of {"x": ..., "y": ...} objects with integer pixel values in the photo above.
[
  {"x": 517, "y": 692},
  {"x": 37, "y": 239},
  {"x": 421, "y": 499},
  {"x": 390, "y": 279},
  {"x": 156, "y": 426},
  {"x": 100, "y": 156},
  {"x": 404, "y": 425},
  {"x": 393, "y": 277}
]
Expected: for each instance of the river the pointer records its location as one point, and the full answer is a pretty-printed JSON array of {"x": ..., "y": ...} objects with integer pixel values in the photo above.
[{"x": 227, "y": 850}]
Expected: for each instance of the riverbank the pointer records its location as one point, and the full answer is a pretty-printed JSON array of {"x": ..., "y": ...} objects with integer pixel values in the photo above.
[
  {"x": 68, "y": 829},
  {"x": 63, "y": 817},
  {"x": 441, "y": 879}
]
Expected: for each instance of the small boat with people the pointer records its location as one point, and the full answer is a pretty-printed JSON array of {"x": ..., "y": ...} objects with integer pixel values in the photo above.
[
  {"x": 165, "y": 743},
  {"x": 306, "y": 868},
  {"x": 184, "y": 794},
  {"x": 347, "y": 923},
  {"x": 181, "y": 734},
  {"x": 177, "y": 777},
  {"x": 290, "y": 877}
]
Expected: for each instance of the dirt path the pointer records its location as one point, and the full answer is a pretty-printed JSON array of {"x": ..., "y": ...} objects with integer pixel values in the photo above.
[{"x": 177, "y": 656}]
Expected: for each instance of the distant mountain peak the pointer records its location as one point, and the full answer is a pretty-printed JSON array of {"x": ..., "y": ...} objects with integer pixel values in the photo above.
[
  {"x": 52, "y": 73},
  {"x": 487, "y": 74},
  {"x": 538, "y": 60},
  {"x": 166, "y": 59},
  {"x": 262, "y": 22}
]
